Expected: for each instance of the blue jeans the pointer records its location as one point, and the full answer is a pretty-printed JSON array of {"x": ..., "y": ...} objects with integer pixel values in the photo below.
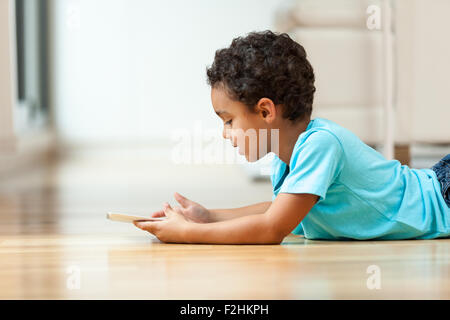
[{"x": 442, "y": 169}]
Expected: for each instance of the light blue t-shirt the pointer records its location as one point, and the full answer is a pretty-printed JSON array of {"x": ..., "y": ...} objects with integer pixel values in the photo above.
[{"x": 362, "y": 195}]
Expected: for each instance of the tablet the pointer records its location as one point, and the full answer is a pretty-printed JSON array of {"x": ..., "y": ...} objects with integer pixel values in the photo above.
[{"x": 130, "y": 218}]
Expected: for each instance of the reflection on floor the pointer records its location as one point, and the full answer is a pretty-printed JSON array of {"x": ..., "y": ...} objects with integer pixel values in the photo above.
[{"x": 56, "y": 243}]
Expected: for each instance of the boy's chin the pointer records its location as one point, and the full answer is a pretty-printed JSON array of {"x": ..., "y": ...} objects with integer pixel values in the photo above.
[{"x": 252, "y": 159}]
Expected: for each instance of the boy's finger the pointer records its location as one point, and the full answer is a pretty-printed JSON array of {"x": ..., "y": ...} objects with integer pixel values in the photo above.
[
  {"x": 167, "y": 210},
  {"x": 182, "y": 200},
  {"x": 149, "y": 226},
  {"x": 158, "y": 214}
]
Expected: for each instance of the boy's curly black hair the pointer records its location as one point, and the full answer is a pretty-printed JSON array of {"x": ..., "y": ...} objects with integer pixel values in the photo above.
[{"x": 266, "y": 64}]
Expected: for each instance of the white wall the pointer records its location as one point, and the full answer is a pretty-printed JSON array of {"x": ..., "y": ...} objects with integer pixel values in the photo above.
[{"x": 136, "y": 69}]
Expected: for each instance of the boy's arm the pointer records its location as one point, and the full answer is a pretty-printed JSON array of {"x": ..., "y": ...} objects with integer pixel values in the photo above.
[
  {"x": 270, "y": 227},
  {"x": 217, "y": 215}
]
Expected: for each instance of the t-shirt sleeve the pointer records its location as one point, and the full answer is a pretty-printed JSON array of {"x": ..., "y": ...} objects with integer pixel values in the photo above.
[{"x": 315, "y": 165}]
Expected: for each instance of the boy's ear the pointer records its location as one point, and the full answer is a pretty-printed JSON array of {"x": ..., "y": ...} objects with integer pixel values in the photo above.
[{"x": 266, "y": 108}]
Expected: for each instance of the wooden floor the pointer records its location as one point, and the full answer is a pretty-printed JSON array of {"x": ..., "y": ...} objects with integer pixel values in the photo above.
[{"x": 55, "y": 242}]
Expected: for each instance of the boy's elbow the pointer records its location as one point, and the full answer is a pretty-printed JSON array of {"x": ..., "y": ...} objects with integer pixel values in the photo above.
[
  {"x": 275, "y": 236},
  {"x": 277, "y": 240},
  {"x": 280, "y": 236},
  {"x": 274, "y": 233},
  {"x": 274, "y": 239}
]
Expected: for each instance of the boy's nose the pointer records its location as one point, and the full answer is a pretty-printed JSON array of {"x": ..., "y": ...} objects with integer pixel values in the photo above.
[{"x": 225, "y": 133}]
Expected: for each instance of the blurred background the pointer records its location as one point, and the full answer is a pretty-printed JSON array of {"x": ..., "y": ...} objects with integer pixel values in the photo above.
[{"x": 96, "y": 96}]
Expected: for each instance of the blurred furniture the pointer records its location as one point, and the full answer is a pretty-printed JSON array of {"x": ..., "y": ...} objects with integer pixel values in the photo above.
[
  {"x": 6, "y": 83},
  {"x": 348, "y": 60},
  {"x": 26, "y": 138}
]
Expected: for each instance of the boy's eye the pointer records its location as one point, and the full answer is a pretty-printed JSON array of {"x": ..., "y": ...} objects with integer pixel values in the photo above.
[{"x": 228, "y": 122}]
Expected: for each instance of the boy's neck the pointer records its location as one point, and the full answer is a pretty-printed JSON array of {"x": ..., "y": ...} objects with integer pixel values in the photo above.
[{"x": 288, "y": 135}]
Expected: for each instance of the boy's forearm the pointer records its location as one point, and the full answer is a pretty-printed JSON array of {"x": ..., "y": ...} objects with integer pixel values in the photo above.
[
  {"x": 217, "y": 215},
  {"x": 252, "y": 229}
]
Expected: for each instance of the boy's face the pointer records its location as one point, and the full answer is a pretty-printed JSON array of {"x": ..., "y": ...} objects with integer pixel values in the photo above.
[{"x": 241, "y": 126}]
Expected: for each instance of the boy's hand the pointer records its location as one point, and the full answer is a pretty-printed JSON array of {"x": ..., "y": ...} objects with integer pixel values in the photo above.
[
  {"x": 191, "y": 210},
  {"x": 173, "y": 229}
]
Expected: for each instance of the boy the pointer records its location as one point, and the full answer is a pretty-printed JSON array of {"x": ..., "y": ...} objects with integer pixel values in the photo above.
[{"x": 327, "y": 183}]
